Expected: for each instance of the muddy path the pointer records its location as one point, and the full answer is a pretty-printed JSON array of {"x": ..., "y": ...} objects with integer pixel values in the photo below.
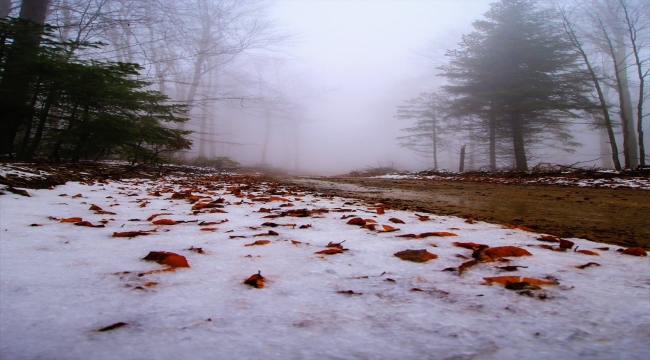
[{"x": 615, "y": 216}]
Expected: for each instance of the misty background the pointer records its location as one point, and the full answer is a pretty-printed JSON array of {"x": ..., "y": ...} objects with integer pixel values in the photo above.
[{"x": 314, "y": 86}]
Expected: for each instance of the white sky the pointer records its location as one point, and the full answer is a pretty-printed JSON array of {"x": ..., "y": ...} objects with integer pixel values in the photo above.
[{"x": 364, "y": 51}]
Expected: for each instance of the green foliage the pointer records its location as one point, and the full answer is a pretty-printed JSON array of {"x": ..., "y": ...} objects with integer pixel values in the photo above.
[
  {"x": 91, "y": 109},
  {"x": 519, "y": 73}
]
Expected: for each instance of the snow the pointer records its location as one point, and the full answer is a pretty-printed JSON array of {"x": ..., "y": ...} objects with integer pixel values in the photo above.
[
  {"x": 61, "y": 283},
  {"x": 617, "y": 182}
]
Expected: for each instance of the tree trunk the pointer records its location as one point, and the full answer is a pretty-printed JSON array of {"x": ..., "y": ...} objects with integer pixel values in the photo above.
[
  {"x": 518, "y": 142},
  {"x": 434, "y": 141},
  {"x": 461, "y": 167},
  {"x": 16, "y": 77},
  {"x": 626, "y": 103},
  {"x": 493, "y": 143}
]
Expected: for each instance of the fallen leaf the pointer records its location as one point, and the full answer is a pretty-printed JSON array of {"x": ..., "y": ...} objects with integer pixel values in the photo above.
[
  {"x": 636, "y": 251},
  {"x": 380, "y": 211},
  {"x": 165, "y": 222},
  {"x": 356, "y": 221},
  {"x": 416, "y": 255},
  {"x": 113, "y": 326},
  {"x": 468, "y": 245},
  {"x": 520, "y": 227},
  {"x": 87, "y": 223},
  {"x": 130, "y": 234},
  {"x": 335, "y": 245},
  {"x": 209, "y": 229},
  {"x": 511, "y": 267},
  {"x": 72, "y": 220},
  {"x": 296, "y": 242},
  {"x": 505, "y": 280},
  {"x": 396, "y": 221},
  {"x": 329, "y": 251},
  {"x": 506, "y": 251},
  {"x": 196, "y": 250},
  {"x": 549, "y": 238},
  {"x": 466, "y": 265},
  {"x": 583, "y": 266},
  {"x": 256, "y": 280},
  {"x": 170, "y": 259},
  {"x": 156, "y": 215},
  {"x": 259, "y": 242},
  {"x": 566, "y": 244},
  {"x": 588, "y": 252},
  {"x": 349, "y": 292},
  {"x": 388, "y": 228},
  {"x": 94, "y": 207}
]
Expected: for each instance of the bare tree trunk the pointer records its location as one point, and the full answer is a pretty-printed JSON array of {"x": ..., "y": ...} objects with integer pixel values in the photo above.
[
  {"x": 493, "y": 143},
  {"x": 434, "y": 142},
  {"x": 461, "y": 167},
  {"x": 632, "y": 32},
  {"x": 521, "y": 163},
  {"x": 14, "y": 86},
  {"x": 626, "y": 102},
  {"x": 267, "y": 135},
  {"x": 568, "y": 27}
]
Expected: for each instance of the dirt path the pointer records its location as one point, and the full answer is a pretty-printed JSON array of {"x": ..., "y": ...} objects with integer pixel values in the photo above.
[{"x": 615, "y": 216}]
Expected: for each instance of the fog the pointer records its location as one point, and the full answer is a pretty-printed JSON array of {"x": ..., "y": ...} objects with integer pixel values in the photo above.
[{"x": 356, "y": 60}]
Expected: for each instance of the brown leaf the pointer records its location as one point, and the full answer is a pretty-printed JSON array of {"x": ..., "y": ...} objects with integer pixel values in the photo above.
[
  {"x": 170, "y": 259},
  {"x": 388, "y": 228},
  {"x": 549, "y": 238},
  {"x": 196, "y": 250},
  {"x": 505, "y": 280},
  {"x": 468, "y": 245},
  {"x": 156, "y": 215},
  {"x": 87, "y": 223},
  {"x": 380, "y": 211},
  {"x": 636, "y": 251},
  {"x": 256, "y": 280},
  {"x": 583, "y": 266},
  {"x": 209, "y": 229},
  {"x": 506, "y": 251},
  {"x": 396, "y": 221},
  {"x": 259, "y": 242},
  {"x": 416, "y": 255},
  {"x": 335, "y": 245},
  {"x": 72, "y": 220},
  {"x": 165, "y": 222},
  {"x": 349, "y": 292},
  {"x": 356, "y": 221},
  {"x": 588, "y": 252},
  {"x": 296, "y": 242},
  {"x": 566, "y": 244},
  {"x": 112, "y": 326},
  {"x": 130, "y": 234},
  {"x": 369, "y": 227},
  {"x": 329, "y": 251},
  {"x": 520, "y": 227},
  {"x": 466, "y": 265},
  {"x": 94, "y": 207}
]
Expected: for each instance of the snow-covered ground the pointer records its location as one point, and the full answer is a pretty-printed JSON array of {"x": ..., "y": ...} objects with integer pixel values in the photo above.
[
  {"x": 614, "y": 182},
  {"x": 60, "y": 284}
]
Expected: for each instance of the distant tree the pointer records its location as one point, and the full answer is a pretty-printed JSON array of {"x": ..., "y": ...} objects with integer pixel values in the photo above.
[
  {"x": 427, "y": 136},
  {"x": 519, "y": 70}
]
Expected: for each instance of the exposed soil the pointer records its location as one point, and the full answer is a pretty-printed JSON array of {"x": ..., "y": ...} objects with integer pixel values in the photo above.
[{"x": 617, "y": 216}]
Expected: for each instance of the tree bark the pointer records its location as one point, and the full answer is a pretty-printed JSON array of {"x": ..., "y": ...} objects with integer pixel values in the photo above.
[
  {"x": 15, "y": 95},
  {"x": 517, "y": 129}
]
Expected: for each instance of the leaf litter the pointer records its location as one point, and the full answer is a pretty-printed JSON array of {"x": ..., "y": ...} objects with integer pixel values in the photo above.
[{"x": 301, "y": 313}]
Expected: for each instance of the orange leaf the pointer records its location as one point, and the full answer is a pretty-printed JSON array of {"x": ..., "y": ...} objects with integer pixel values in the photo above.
[
  {"x": 259, "y": 242},
  {"x": 277, "y": 198},
  {"x": 72, "y": 220},
  {"x": 396, "y": 221},
  {"x": 256, "y": 280},
  {"x": 468, "y": 245},
  {"x": 437, "y": 233},
  {"x": 466, "y": 265},
  {"x": 369, "y": 227},
  {"x": 165, "y": 222},
  {"x": 416, "y": 255},
  {"x": 87, "y": 223},
  {"x": 329, "y": 251},
  {"x": 167, "y": 258},
  {"x": 388, "y": 228},
  {"x": 156, "y": 215},
  {"x": 548, "y": 238},
  {"x": 209, "y": 229},
  {"x": 587, "y": 265},
  {"x": 356, "y": 221},
  {"x": 507, "y": 280},
  {"x": 636, "y": 251},
  {"x": 520, "y": 227},
  {"x": 588, "y": 252},
  {"x": 380, "y": 211},
  {"x": 506, "y": 251},
  {"x": 130, "y": 234}
]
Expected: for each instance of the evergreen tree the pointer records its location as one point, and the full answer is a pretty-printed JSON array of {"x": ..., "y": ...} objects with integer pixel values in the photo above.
[{"x": 518, "y": 72}]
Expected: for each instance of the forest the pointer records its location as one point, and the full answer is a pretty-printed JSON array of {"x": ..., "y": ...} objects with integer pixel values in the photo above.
[{"x": 171, "y": 81}]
